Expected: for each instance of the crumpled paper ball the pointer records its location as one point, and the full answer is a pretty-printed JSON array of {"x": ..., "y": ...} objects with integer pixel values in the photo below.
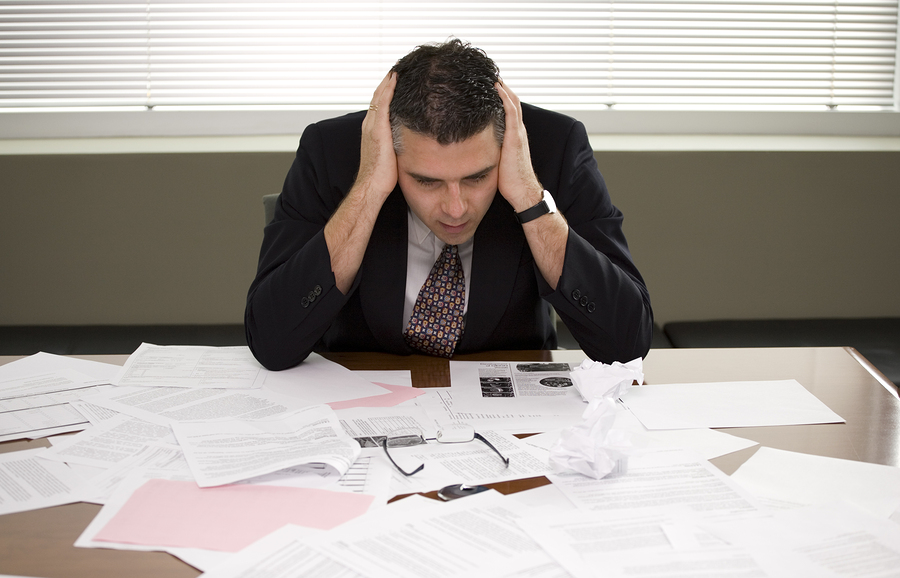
[{"x": 592, "y": 447}]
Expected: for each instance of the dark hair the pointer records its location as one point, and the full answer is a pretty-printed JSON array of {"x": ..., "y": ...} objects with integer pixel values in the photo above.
[{"x": 446, "y": 91}]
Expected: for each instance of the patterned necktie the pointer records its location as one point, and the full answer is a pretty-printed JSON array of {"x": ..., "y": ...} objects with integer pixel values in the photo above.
[{"x": 437, "y": 318}]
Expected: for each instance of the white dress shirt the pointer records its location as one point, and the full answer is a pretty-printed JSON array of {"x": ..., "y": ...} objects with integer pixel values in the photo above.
[{"x": 423, "y": 250}]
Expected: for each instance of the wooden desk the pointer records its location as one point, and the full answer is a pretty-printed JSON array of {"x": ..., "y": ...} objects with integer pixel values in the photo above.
[{"x": 39, "y": 543}]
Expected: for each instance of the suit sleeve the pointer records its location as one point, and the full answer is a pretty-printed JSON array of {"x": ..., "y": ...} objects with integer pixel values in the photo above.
[
  {"x": 293, "y": 299},
  {"x": 601, "y": 296}
]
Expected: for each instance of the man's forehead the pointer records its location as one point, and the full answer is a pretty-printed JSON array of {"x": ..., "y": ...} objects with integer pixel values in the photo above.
[{"x": 423, "y": 156}]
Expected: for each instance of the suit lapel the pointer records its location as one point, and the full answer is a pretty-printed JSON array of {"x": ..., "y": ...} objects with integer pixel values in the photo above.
[
  {"x": 382, "y": 289},
  {"x": 499, "y": 242}
]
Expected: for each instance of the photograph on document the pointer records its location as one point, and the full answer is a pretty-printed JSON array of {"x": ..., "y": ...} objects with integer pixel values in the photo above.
[{"x": 525, "y": 386}]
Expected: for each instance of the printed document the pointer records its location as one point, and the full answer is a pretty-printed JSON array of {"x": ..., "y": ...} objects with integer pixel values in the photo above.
[
  {"x": 655, "y": 479},
  {"x": 476, "y": 535},
  {"x": 39, "y": 405},
  {"x": 782, "y": 479},
  {"x": 225, "y": 452},
  {"x": 165, "y": 405},
  {"x": 727, "y": 404},
  {"x": 531, "y": 387},
  {"x": 191, "y": 366},
  {"x": 822, "y": 541},
  {"x": 28, "y": 482}
]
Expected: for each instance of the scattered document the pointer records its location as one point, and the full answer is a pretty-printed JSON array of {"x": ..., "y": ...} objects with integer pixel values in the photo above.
[
  {"x": 658, "y": 479},
  {"x": 191, "y": 366},
  {"x": 166, "y": 405},
  {"x": 531, "y": 387},
  {"x": 106, "y": 445},
  {"x": 28, "y": 482},
  {"x": 821, "y": 541},
  {"x": 285, "y": 553},
  {"x": 38, "y": 405},
  {"x": 165, "y": 513},
  {"x": 782, "y": 479},
  {"x": 48, "y": 362},
  {"x": 438, "y": 403},
  {"x": 625, "y": 543},
  {"x": 476, "y": 535},
  {"x": 727, "y": 404},
  {"x": 319, "y": 380},
  {"x": 225, "y": 452},
  {"x": 153, "y": 461}
]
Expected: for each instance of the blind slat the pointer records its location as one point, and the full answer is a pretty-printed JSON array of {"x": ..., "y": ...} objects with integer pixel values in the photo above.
[{"x": 555, "y": 54}]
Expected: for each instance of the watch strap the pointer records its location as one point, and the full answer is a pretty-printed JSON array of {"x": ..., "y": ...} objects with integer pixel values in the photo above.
[{"x": 532, "y": 213}]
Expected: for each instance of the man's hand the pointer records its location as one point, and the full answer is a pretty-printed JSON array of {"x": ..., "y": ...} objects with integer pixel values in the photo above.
[
  {"x": 547, "y": 235},
  {"x": 516, "y": 179},
  {"x": 347, "y": 232},
  {"x": 378, "y": 163}
]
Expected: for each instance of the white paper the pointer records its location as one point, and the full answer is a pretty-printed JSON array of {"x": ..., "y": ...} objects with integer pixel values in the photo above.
[
  {"x": 474, "y": 536},
  {"x": 704, "y": 441},
  {"x": 48, "y": 362},
  {"x": 153, "y": 461},
  {"x": 28, "y": 482},
  {"x": 38, "y": 405},
  {"x": 106, "y": 445},
  {"x": 439, "y": 404},
  {"x": 727, "y": 404},
  {"x": 319, "y": 380},
  {"x": 285, "y": 553},
  {"x": 621, "y": 541},
  {"x": 191, "y": 366},
  {"x": 821, "y": 541},
  {"x": 530, "y": 387},
  {"x": 661, "y": 478},
  {"x": 785, "y": 479},
  {"x": 166, "y": 405},
  {"x": 225, "y": 452}
]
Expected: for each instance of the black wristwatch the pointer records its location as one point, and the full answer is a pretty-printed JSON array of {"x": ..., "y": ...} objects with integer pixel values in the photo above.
[{"x": 542, "y": 208}]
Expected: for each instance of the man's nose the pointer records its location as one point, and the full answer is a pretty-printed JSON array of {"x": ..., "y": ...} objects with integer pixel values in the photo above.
[{"x": 454, "y": 204}]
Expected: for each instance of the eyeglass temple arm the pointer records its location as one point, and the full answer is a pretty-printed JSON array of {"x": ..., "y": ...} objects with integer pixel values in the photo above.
[
  {"x": 402, "y": 471},
  {"x": 478, "y": 436}
]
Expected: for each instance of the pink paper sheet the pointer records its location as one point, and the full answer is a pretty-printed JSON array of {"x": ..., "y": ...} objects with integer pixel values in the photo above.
[
  {"x": 398, "y": 394},
  {"x": 226, "y": 518}
]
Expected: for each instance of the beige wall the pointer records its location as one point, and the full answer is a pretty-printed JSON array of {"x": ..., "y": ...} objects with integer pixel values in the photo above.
[{"x": 173, "y": 238}]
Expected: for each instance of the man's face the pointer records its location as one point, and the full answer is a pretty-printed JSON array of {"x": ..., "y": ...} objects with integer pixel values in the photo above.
[{"x": 449, "y": 188}]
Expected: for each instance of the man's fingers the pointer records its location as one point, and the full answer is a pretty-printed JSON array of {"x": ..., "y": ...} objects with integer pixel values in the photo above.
[{"x": 381, "y": 100}]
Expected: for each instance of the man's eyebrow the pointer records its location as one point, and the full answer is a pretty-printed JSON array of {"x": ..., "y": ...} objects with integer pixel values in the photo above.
[
  {"x": 480, "y": 173},
  {"x": 476, "y": 175},
  {"x": 419, "y": 177}
]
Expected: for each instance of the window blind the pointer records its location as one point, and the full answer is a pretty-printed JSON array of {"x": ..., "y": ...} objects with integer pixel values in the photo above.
[{"x": 625, "y": 54}]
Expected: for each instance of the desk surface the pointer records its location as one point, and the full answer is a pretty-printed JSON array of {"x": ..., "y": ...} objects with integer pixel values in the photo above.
[{"x": 39, "y": 542}]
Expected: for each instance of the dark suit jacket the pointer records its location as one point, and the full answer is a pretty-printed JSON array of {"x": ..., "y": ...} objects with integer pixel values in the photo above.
[{"x": 294, "y": 307}]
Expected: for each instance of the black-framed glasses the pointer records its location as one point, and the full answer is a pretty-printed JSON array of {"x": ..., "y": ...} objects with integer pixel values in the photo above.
[{"x": 455, "y": 433}]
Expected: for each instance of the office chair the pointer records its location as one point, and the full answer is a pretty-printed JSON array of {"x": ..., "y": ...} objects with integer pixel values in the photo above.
[{"x": 269, "y": 206}]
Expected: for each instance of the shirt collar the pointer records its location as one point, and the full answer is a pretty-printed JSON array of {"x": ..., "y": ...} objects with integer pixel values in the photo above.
[{"x": 421, "y": 232}]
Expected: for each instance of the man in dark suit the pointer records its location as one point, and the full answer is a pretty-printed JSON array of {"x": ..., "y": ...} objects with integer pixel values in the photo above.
[{"x": 443, "y": 193}]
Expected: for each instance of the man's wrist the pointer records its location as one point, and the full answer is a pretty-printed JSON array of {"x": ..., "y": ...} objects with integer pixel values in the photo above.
[{"x": 545, "y": 206}]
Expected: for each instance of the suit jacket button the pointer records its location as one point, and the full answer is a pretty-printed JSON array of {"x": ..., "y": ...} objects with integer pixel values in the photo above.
[
  {"x": 311, "y": 296},
  {"x": 584, "y": 300},
  {"x": 317, "y": 290},
  {"x": 576, "y": 295},
  {"x": 591, "y": 307},
  {"x": 304, "y": 302}
]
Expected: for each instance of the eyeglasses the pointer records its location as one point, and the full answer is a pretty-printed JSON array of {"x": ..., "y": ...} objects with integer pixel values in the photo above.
[{"x": 455, "y": 433}]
